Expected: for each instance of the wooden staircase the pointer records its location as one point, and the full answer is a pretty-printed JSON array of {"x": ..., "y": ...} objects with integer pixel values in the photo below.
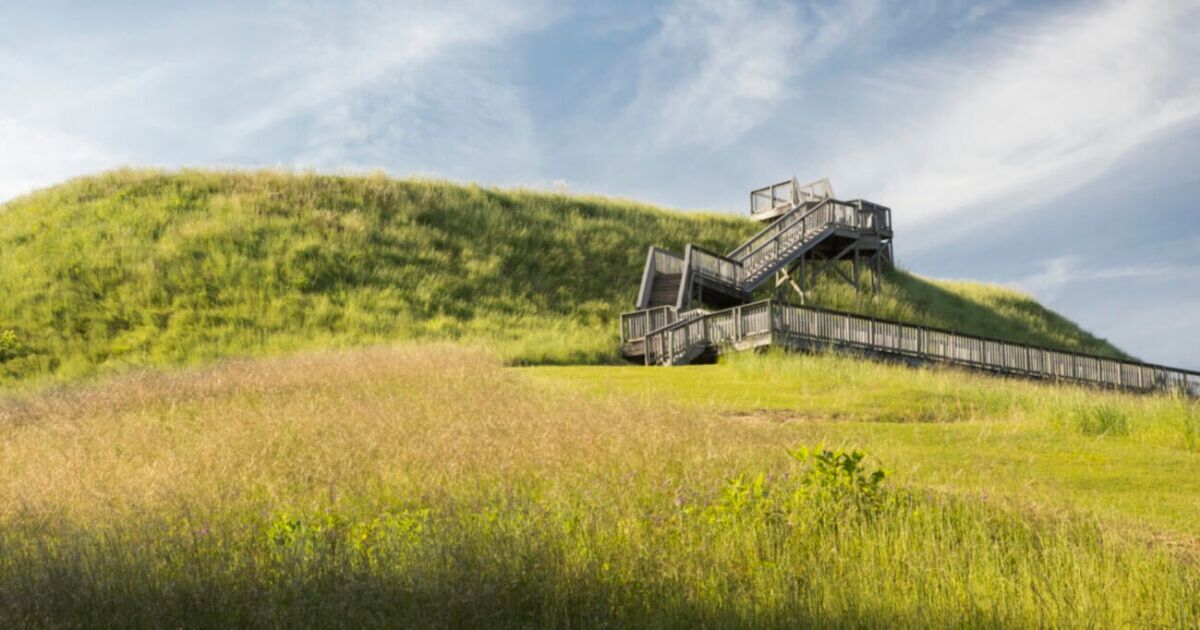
[
  {"x": 664, "y": 289},
  {"x": 828, "y": 228},
  {"x": 668, "y": 329}
]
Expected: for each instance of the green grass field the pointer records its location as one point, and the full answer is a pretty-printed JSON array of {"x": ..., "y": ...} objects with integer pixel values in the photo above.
[
  {"x": 1132, "y": 459},
  {"x": 144, "y": 268},
  {"x": 290, "y": 400},
  {"x": 430, "y": 486}
]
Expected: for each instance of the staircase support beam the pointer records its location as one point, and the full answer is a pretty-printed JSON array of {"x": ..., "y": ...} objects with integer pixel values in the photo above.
[{"x": 830, "y": 262}]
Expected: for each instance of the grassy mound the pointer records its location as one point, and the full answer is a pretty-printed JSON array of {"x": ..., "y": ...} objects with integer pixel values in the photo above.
[{"x": 149, "y": 268}]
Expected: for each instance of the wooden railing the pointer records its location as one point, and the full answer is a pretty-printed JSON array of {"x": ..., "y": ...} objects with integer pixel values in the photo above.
[
  {"x": 858, "y": 214},
  {"x": 704, "y": 265},
  {"x": 787, "y": 194},
  {"x": 638, "y": 324},
  {"x": 794, "y": 326},
  {"x": 791, "y": 231},
  {"x": 755, "y": 259},
  {"x": 667, "y": 345}
]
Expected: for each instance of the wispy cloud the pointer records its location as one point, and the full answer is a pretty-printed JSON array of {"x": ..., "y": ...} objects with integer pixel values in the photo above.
[
  {"x": 1033, "y": 111},
  {"x": 716, "y": 69},
  {"x": 980, "y": 11},
  {"x": 407, "y": 86},
  {"x": 1059, "y": 272},
  {"x": 362, "y": 73},
  {"x": 33, "y": 157}
]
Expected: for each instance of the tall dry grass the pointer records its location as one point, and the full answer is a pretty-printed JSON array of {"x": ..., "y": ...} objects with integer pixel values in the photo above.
[{"x": 429, "y": 486}]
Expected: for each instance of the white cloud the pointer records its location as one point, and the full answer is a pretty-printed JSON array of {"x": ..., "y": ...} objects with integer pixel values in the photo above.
[
  {"x": 338, "y": 55},
  {"x": 1059, "y": 272},
  {"x": 32, "y": 158},
  {"x": 403, "y": 86},
  {"x": 980, "y": 11},
  {"x": 718, "y": 68},
  {"x": 1031, "y": 113}
]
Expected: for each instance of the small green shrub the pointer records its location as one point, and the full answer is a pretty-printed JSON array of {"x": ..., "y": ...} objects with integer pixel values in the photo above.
[
  {"x": 832, "y": 487},
  {"x": 840, "y": 475},
  {"x": 11, "y": 347},
  {"x": 1102, "y": 420}
]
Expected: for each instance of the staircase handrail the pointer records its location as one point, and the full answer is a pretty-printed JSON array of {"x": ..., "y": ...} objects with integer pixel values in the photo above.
[
  {"x": 676, "y": 339},
  {"x": 779, "y": 227},
  {"x": 664, "y": 341},
  {"x": 640, "y": 324},
  {"x": 793, "y": 223},
  {"x": 802, "y": 222},
  {"x": 775, "y": 225},
  {"x": 637, "y": 324},
  {"x": 691, "y": 254},
  {"x": 728, "y": 268}
]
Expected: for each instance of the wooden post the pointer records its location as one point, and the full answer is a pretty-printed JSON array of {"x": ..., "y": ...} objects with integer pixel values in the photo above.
[
  {"x": 857, "y": 280},
  {"x": 803, "y": 281}
]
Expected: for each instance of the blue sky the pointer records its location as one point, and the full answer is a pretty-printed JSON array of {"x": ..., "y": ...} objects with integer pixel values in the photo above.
[{"x": 1050, "y": 146}]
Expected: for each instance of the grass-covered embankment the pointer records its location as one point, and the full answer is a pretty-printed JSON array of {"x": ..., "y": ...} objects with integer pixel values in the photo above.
[
  {"x": 428, "y": 486},
  {"x": 141, "y": 268},
  {"x": 145, "y": 268}
]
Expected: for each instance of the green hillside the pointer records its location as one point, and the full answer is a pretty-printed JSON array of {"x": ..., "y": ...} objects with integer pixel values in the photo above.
[{"x": 135, "y": 268}]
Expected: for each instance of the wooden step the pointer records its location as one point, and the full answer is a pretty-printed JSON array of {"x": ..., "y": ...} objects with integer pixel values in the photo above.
[{"x": 664, "y": 290}]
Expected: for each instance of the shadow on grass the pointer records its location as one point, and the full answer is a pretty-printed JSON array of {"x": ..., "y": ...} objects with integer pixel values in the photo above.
[
  {"x": 74, "y": 586},
  {"x": 75, "y": 595}
]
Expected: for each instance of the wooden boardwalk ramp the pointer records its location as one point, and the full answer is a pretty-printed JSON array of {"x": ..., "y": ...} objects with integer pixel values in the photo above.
[{"x": 796, "y": 327}]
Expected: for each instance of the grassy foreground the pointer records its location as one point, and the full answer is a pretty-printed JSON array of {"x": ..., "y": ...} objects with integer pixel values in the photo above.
[
  {"x": 430, "y": 486},
  {"x": 1131, "y": 459},
  {"x": 147, "y": 268}
]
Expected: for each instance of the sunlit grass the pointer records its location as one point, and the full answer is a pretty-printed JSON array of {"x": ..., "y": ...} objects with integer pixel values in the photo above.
[
  {"x": 1131, "y": 458},
  {"x": 429, "y": 486}
]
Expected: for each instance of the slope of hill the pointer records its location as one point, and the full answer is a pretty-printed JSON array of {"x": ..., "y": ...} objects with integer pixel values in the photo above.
[{"x": 149, "y": 267}]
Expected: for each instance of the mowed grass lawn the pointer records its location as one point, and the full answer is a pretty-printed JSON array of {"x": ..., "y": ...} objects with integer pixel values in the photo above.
[{"x": 431, "y": 486}]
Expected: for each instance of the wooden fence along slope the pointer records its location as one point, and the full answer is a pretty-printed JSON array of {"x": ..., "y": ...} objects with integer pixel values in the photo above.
[{"x": 675, "y": 333}]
